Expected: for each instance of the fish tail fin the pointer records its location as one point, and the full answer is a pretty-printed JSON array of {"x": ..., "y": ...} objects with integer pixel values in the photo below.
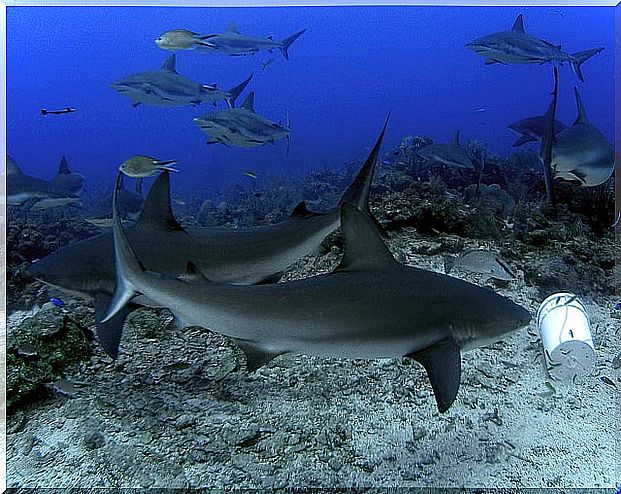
[
  {"x": 234, "y": 92},
  {"x": 127, "y": 266},
  {"x": 358, "y": 191},
  {"x": 165, "y": 166},
  {"x": 577, "y": 59},
  {"x": 44, "y": 112},
  {"x": 449, "y": 263},
  {"x": 286, "y": 43}
]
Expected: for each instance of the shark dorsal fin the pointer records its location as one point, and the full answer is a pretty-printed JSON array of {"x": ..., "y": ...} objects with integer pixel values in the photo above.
[
  {"x": 364, "y": 247},
  {"x": 518, "y": 26},
  {"x": 232, "y": 28},
  {"x": 248, "y": 103},
  {"x": 11, "y": 166},
  {"x": 63, "y": 168},
  {"x": 301, "y": 211},
  {"x": 455, "y": 140},
  {"x": 157, "y": 211},
  {"x": 581, "y": 118},
  {"x": 170, "y": 64}
]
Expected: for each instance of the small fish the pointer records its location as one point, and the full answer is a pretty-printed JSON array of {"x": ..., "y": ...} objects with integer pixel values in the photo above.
[
  {"x": 25, "y": 350},
  {"x": 57, "y": 112},
  {"x": 614, "y": 225},
  {"x": 250, "y": 174},
  {"x": 608, "y": 381},
  {"x": 266, "y": 63},
  {"x": 57, "y": 302},
  {"x": 180, "y": 202},
  {"x": 144, "y": 166},
  {"x": 480, "y": 261},
  {"x": 182, "y": 39},
  {"x": 618, "y": 306},
  {"x": 65, "y": 387},
  {"x": 105, "y": 222},
  {"x": 557, "y": 12},
  {"x": 480, "y": 109},
  {"x": 45, "y": 204}
]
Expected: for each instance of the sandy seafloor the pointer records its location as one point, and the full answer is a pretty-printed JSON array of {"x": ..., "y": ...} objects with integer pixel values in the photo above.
[{"x": 141, "y": 421}]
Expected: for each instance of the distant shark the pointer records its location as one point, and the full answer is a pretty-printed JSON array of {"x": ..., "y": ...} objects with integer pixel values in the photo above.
[
  {"x": 231, "y": 42},
  {"x": 531, "y": 129},
  {"x": 244, "y": 256},
  {"x": 22, "y": 188},
  {"x": 370, "y": 306},
  {"x": 450, "y": 154},
  {"x": 241, "y": 127},
  {"x": 167, "y": 88},
  {"x": 518, "y": 47}
]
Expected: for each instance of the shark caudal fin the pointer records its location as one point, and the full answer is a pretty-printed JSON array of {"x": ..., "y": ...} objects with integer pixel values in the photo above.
[
  {"x": 358, "y": 191},
  {"x": 126, "y": 265},
  {"x": 234, "y": 92},
  {"x": 577, "y": 59},
  {"x": 286, "y": 43},
  {"x": 547, "y": 139}
]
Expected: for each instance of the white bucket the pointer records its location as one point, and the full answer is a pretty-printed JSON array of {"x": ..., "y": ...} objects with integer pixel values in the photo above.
[{"x": 565, "y": 332}]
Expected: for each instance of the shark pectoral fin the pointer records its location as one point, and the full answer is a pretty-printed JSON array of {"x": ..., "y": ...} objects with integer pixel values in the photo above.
[
  {"x": 193, "y": 274},
  {"x": 135, "y": 103},
  {"x": 272, "y": 278},
  {"x": 522, "y": 140},
  {"x": 442, "y": 361},
  {"x": 491, "y": 61},
  {"x": 109, "y": 333},
  {"x": 301, "y": 211},
  {"x": 255, "y": 356}
]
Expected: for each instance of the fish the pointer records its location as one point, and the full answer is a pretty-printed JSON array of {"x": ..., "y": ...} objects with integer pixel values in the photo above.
[
  {"x": 369, "y": 307},
  {"x": 581, "y": 152},
  {"x": 61, "y": 202},
  {"x": 518, "y": 47},
  {"x": 480, "y": 109},
  {"x": 105, "y": 222},
  {"x": 450, "y": 154},
  {"x": 483, "y": 262},
  {"x": 249, "y": 256},
  {"x": 165, "y": 87},
  {"x": 250, "y": 174},
  {"x": 22, "y": 188},
  {"x": 242, "y": 127},
  {"x": 181, "y": 39},
  {"x": 232, "y": 42},
  {"x": 531, "y": 129},
  {"x": 58, "y": 112},
  {"x": 266, "y": 63},
  {"x": 57, "y": 302},
  {"x": 140, "y": 166}
]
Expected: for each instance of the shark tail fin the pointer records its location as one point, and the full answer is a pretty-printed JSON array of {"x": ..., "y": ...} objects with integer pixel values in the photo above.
[
  {"x": 358, "y": 191},
  {"x": 286, "y": 43},
  {"x": 577, "y": 59},
  {"x": 234, "y": 92},
  {"x": 127, "y": 265}
]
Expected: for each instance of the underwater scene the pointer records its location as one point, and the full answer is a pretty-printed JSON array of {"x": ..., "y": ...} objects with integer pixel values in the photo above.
[{"x": 312, "y": 247}]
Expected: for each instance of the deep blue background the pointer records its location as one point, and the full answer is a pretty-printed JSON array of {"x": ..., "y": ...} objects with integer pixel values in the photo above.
[{"x": 352, "y": 66}]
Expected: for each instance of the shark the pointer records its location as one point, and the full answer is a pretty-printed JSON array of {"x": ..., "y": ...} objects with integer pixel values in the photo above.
[
  {"x": 22, "y": 188},
  {"x": 518, "y": 47},
  {"x": 531, "y": 129},
  {"x": 369, "y": 307},
  {"x": 231, "y": 42},
  {"x": 241, "y": 256},
  {"x": 547, "y": 141},
  {"x": 581, "y": 152},
  {"x": 242, "y": 127},
  {"x": 165, "y": 87},
  {"x": 450, "y": 154}
]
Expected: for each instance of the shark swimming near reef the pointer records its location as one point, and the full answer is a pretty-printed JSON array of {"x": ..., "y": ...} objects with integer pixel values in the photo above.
[
  {"x": 22, "y": 188},
  {"x": 241, "y": 127},
  {"x": 450, "y": 154},
  {"x": 231, "y": 42},
  {"x": 165, "y": 87},
  {"x": 370, "y": 306},
  {"x": 518, "y": 47},
  {"x": 239, "y": 256},
  {"x": 531, "y": 129}
]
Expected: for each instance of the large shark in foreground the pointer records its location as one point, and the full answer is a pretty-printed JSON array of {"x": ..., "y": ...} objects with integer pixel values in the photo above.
[
  {"x": 241, "y": 127},
  {"x": 22, "y": 188},
  {"x": 165, "y": 87},
  {"x": 516, "y": 46},
  {"x": 230, "y": 42},
  {"x": 244, "y": 256},
  {"x": 370, "y": 306},
  {"x": 450, "y": 154}
]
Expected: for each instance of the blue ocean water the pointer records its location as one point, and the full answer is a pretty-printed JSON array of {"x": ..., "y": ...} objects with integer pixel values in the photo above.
[{"x": 352, "y": 67}]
